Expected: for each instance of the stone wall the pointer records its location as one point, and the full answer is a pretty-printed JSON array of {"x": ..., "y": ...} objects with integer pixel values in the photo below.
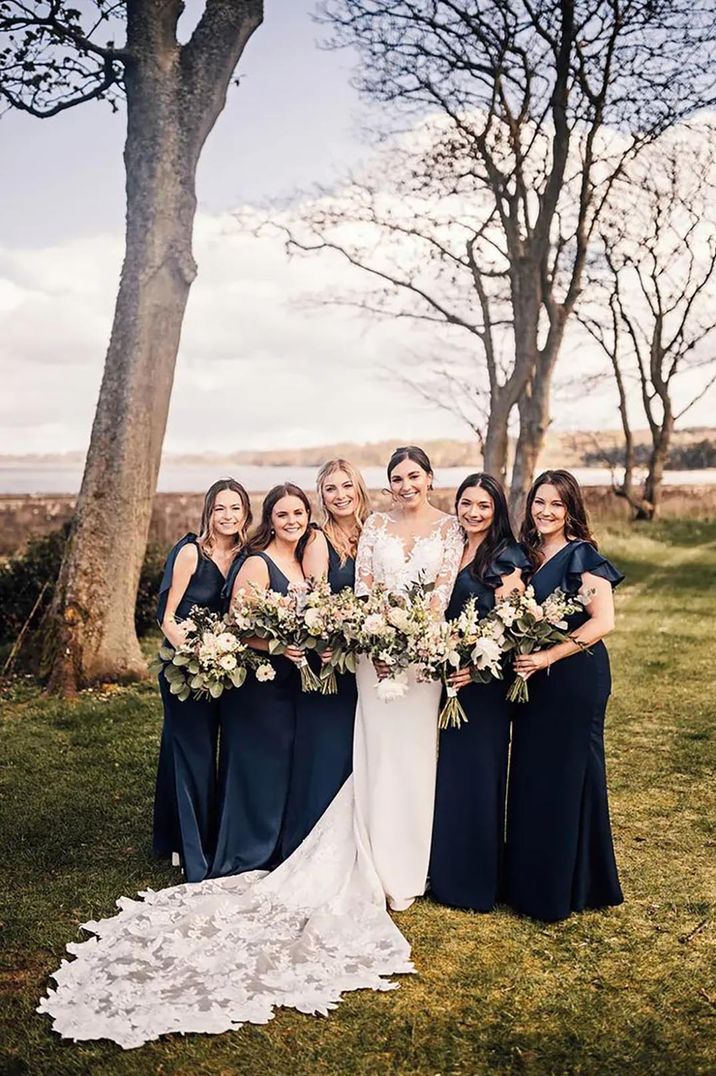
[{"x": 27, "y": 516}]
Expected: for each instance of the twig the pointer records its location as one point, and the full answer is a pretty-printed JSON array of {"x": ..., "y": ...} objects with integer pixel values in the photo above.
[
  {"x": 12, "y": 657},
  {"x": 686, "y": 938}
]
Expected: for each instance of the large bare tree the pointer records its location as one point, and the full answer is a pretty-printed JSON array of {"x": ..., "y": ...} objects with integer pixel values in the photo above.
[
  {"x": 55, "y": 57},
  {"x": 533, "y": 110},
  {"x": 652, "y": 309}
]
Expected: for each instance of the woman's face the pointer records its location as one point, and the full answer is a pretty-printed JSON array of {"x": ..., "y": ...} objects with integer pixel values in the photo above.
[
  {"x": 475, "y": 511},
  {"x": 228, "y": 514},
  {"x": 289, "y": 519},
  {"x": 549, "y": 512},
  {"x": 409, "y": 484},
  {"x": 339, "y": 495}
]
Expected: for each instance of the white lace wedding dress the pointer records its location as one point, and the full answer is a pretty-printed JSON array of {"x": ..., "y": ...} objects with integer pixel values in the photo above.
[{"x": 209, "y": 956}]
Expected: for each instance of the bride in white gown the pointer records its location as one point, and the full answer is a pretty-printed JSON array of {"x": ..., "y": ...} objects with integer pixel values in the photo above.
[{"x": 209, "y": 956}]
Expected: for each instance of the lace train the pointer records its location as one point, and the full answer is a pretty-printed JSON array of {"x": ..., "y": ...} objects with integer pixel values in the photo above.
[{"x": 210, "y": 956}]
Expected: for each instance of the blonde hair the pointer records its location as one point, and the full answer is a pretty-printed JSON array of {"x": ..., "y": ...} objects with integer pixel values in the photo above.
[{"x": 345, "y": 546}]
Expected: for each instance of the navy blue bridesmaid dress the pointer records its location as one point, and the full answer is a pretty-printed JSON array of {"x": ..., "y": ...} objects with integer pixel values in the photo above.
[
  {"x": 323, "y": 751},
  {"x": 469, "y": 824},
  {"x": 258, "y": 725},
  {"x": 185, "y": 795},
  {"x": 559, "y": 854}
]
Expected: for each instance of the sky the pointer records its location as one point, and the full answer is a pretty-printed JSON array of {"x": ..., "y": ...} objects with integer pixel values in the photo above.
[{"x": 256, "y": 368}]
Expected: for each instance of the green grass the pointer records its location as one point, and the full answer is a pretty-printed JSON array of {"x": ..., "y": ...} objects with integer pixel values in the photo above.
[{"x": 632, "y": 990}]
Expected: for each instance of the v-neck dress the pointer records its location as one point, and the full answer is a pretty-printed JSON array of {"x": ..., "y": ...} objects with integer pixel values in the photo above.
[
  {"x": 469, "y": 825},
  {"x": 185, "y": 793},
  {"x": 323, "y": 750},
  {"x": 258, "y": 725},
  {"x": 559, "y": 855}
]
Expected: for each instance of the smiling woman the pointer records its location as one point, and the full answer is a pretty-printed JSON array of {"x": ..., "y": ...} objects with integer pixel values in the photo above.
[
  {"x": 258, "y": 723},
  {"x": 184, "y": 808}
]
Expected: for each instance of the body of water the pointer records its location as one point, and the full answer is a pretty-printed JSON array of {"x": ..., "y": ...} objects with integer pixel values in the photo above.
[{"x": 195, "y": 478}]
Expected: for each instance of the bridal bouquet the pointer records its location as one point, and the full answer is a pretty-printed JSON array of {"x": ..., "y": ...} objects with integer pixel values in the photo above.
[
  {"x": 211, "y": 659},
  {"x": 466, "y": 640},
  {"x": 279, "y": 618},
  {"x": 333, "y": 622},
  {"x": 531, "y": 626},
  {"x": 389, "y": 631}
]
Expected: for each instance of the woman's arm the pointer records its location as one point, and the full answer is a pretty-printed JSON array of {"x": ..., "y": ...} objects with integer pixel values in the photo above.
[
  {"x": 315, "y": 557},
  {"x": 600, "y": 624},
  {"x": 510, "y": 583},
  {"x": 184, "y": 567}
]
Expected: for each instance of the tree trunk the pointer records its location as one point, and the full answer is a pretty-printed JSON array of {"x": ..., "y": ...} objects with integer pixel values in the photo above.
[
  {"x": 496, "y": 439},
  {"x": 649, "y": 507},
  {"x": 91, "y": 634},
  {"x": 534, "y": 422}
]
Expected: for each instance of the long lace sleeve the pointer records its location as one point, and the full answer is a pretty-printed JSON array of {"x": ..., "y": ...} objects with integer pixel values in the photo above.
[
  {"x": 453, "y": 545},
  {"x": 364, "y": 557}
]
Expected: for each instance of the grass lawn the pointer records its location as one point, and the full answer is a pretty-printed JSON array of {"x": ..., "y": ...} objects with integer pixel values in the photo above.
[{"x": 632, "y": 990}]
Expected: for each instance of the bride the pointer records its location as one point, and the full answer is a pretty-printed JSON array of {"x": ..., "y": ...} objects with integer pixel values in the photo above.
[{"x": 209, "y": 956}]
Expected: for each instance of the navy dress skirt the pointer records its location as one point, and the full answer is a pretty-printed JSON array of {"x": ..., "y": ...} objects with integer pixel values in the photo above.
[
  {"x": 559, "y": 855},
  {"x": 185, "y": 795},
  {"x": 258, "y": 725},
  {"x": 469, "y": 824},
  {"x": 323, "y": 751}
]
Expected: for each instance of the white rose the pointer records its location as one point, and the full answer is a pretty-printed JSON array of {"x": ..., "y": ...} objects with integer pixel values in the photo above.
[
  {"x": 312, "y": 619},
  {"x": 485, "y": 653},
  {"x": 374, "y": 624},
  {"x": 399, "y": 619}
]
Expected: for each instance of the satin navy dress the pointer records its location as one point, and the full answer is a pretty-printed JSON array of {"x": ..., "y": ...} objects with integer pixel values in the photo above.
[
  {"x": 185, "y": 796},
  {"x": 559, "y": 855},
  {"x": 469, "y": 824},
  {"x": 258, "y": 725},
  {"x": 323, "y": 751}
]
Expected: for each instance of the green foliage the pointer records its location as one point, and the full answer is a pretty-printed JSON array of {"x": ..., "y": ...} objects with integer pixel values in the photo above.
[
  {"x": 23, "y": 576},
  {"x": 629, "y": 991}
]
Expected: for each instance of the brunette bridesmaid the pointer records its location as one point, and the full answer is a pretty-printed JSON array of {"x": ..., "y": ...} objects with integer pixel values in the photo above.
[
  {"x": 469, "y": 824},
  {"x": 559, "y": 856},
  {"x": 323, "y": 751},
  {"x": 258, "y": 721},
  {"x": 185, "y": 798}
]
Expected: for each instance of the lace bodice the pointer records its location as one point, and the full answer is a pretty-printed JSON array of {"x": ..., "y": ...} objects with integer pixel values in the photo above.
[{"x": 385, "y": 557}]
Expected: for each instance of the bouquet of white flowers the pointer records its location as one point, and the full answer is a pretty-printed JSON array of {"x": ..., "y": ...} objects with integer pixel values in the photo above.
[
  {"x": 332, "y": 622},
  {"x": 466, "y": 640},
  {"x": 390, "y": 627},
  {"x": 211, "y": 659},
  {"x": 531, "y": 626},
  {"x": 279, "y": 618}
]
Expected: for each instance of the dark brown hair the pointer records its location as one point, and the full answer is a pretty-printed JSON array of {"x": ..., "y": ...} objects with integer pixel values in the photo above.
[
  {"x": 205, "y": 540},
  {"x": 263, "y": 533},
  {"x": 577, "y": 521},
  {"x": 410, "y": 452},
  {"x": 500, "y": 533}
]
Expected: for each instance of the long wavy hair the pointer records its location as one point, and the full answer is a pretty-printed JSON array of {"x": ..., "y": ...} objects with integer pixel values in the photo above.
[
  {"x": 205, "y": 540},
  {"x": 500, "y": 534},
  {"x": 344, "y": 544},
  {"x": 576, "y": 524},
  {"x": 264, "y": 532}
]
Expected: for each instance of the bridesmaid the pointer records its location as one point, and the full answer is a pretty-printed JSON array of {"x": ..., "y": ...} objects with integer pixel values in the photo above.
[
  {"x": 258, "y": 722},
  {"x": 184, "y": 804},
  {"x": 559, "y": 856},
  {"x": 323, "y": 751},
  {"x": 469, "y": 823}
]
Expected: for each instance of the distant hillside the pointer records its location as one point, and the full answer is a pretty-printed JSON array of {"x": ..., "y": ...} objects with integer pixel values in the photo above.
[{"x": 691, "y": 448}]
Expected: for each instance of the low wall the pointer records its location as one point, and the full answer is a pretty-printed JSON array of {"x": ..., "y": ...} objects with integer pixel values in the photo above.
[{"x": 27, "y": 516}]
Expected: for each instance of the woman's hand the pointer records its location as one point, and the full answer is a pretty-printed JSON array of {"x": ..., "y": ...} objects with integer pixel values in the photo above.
[
  {"x": 460, "y": 678},
  {"x": 527, "y": 664},
  {"x": 325, "y": 656},
  {"x": 296, "y": 654},
  {"x": 382, "y": 668}
]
